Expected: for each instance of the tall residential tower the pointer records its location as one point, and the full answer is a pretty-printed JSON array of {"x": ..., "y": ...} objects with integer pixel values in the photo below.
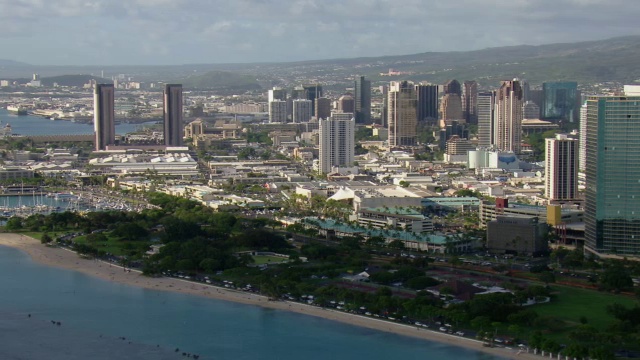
[
  {"x": 508, "y": 116},
  {"x": 561, "y": 168},
  {"x": 402, "y": 102},
  {"x": 362, "y": 99},
  {"x": 337, "y": 141},
  {"x": 173, "y": 127},
  {"x": 612, "y": 207},
  {"x": 104, "y": 116}
]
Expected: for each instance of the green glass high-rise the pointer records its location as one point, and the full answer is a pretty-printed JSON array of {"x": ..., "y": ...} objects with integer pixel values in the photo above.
[
  {"x": 560, "y": 101},
  {"x": 612, "y": 208}
]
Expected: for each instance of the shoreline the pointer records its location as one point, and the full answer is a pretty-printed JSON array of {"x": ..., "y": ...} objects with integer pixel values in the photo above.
[{"x": 67, "y": 259}]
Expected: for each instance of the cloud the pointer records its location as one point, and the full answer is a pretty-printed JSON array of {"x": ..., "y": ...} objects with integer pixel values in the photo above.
[{"x": 275, "y": 30}]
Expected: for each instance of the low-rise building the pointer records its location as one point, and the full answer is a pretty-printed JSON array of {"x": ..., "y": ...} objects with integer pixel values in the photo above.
[
  {"x": 517, "y": 234},
  {"x": 400, "y": 218}
]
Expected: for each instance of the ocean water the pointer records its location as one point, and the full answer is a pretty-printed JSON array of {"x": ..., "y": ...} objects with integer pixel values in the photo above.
[
  {"x": 36, "y": 125},
  {"x": 95, "y": 315}
]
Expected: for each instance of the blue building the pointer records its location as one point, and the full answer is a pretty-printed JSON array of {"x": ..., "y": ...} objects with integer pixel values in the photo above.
[
  {"x": 560, "y": 101},
  {"x": 612, "y": 207}
]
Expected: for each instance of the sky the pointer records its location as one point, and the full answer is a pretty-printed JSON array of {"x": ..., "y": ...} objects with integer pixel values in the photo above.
[{"x": 154, "y": 32}]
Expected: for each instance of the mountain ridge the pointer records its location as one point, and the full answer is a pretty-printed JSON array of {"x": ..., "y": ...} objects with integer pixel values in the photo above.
[{"x": 615, "y": 59}]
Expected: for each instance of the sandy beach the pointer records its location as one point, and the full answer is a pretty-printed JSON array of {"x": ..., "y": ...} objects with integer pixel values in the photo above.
[{"x": 63, "y": 258}]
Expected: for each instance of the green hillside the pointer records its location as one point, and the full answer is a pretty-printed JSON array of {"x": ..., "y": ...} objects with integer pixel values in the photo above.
[{"x": 222, "y": 81}]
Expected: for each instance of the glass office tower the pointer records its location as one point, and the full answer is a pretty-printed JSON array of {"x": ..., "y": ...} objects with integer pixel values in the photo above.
[
  {"x": 612, "y": 208},
  {"x": 560, "y": 101}
]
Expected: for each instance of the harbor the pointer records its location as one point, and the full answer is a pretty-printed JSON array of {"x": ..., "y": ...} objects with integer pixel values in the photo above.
[{"x": 25, "y": 205}]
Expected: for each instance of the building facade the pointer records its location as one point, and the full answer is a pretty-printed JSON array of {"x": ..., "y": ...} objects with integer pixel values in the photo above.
[
  {"x": 346, "y": 104},
  {"x": 104, "y": 116},
  {"x": 582, "y": 149},
  {"x": 561, "y": 101},
  {"x": 277, "y": 94},
  {"x": 530, "y": 110},
  {"x": 173, "y": 126},
  {"x": 451, "y": 109},
  {"x": 612, "y": 208},
  {"x": 516, "y": 235},
  {"x": 486, "y": 105},
  {"x": 337, "y": 141},
  {"x": 302, "y": 111},
  {"x": 427, "y": 107},
  {"x": 508, "y": 116},
  {"x": 452, "y": 87},
  {"x": 323, "y": 108},
  {"x": 561, "y": 168},
  {"x": 278, "y": 111},
  {"x": 312, "y": 92},
  {"x": 470, "y": 101},
  {"x": 401, "y": 120},
  {"x": 362, "y": 100}
]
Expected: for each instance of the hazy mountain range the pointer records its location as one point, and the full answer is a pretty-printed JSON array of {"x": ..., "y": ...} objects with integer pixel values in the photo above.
[{"x": 616, "y": 59}]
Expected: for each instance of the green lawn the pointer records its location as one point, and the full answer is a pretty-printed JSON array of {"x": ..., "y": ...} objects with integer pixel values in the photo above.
[
  {"x": 267, "y": 259},
  {"x": 114, "y": 246},
  {"x": 33, "y": 234},
  {"x": 570, "y": 304}
]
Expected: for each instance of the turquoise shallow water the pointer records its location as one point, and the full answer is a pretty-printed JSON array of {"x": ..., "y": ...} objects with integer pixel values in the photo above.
[{"x": 94, "y": 314}]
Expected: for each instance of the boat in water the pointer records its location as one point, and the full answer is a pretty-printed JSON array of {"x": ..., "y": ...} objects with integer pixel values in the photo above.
[
  {"x": 17, "y": 110},
  {"x": 65, "y": 197}
]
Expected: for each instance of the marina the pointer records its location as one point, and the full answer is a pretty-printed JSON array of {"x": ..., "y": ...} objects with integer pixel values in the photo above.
[{"x": 24, "y": 205}]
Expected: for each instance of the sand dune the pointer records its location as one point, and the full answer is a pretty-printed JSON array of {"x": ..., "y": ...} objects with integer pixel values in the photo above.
[{"x": 58, "y": 257}]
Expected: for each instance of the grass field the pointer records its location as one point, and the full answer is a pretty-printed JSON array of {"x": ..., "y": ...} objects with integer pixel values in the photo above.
[
  {"x": 113, "y": 245},
  {"x": 267, "y": 259},
  {"x": 570, "y": 304}
]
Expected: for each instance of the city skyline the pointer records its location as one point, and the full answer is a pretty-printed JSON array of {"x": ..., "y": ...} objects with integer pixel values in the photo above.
[{"x": 146, "y": 32}]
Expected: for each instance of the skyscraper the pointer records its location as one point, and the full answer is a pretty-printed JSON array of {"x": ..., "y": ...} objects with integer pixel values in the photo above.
[
  {"x": 337, "y": 141},
  {"x": 470, "y": 101},
  {"x": 323, "y": 108},
  {"x": 508, "y": 116},
  {"x": 427, "y": 96},
  {"x": 362, "y": 98},
  {"x": 104, "y": 116},
  {"x": 582, "y": 148},
  {"x": 530, "y": 110},
  {"x": 560, "y": 101},
  {"x": 451, "y": 109},
  {"x": 561, "y": 168},
  {"x": 612, "y": 207},
  {"x": 301, "y": 111},
  {"x": 402, "y": 109},
  {"x": 312, "y": 92},
  {"x": 278, "y": 111},
  {"x": 453, "y": 87},
  {"x": 346, "y": 104},
  {"x": 277, "y": 94},
  {"x": 486, "y": 105},
  {"x": 173, "y": 126}
]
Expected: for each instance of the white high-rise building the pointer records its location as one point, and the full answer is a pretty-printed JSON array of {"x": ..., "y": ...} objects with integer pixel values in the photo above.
[
  {"x": 561, "y": 168},
  {"x": 337, "y": 141},
  {"x": 277, "y": 111},
  {"x": 508, "y": 116},
  {"x": 302, "y": 110},
  {"x": 582, "y": 148}
]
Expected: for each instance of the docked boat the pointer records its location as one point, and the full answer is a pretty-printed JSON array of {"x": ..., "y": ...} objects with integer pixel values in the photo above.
[
  {"x": 17, "y": 110},
  {"x": 65, "y": 197}
]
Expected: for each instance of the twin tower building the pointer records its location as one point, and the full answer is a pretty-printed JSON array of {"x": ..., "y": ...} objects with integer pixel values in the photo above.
[{"x": 104, "y": 115}]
